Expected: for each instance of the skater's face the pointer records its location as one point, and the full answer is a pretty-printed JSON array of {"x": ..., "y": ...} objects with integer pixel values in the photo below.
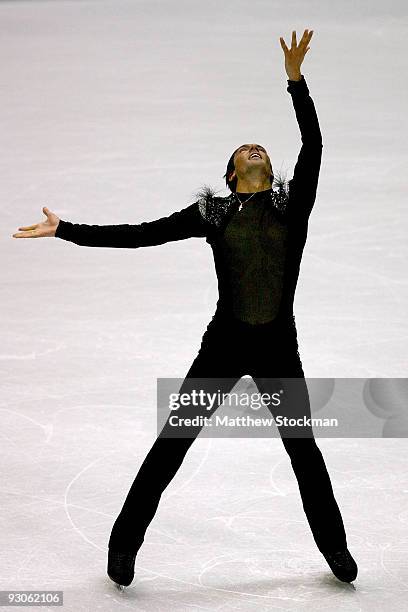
[{"x": 251, "y": 160}]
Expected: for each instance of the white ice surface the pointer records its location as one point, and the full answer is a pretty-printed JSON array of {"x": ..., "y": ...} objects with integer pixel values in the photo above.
[{"x": 116, "y": 112}]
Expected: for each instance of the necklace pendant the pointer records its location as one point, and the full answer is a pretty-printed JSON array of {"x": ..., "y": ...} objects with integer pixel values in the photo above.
[{"x": 239, "y": 207}]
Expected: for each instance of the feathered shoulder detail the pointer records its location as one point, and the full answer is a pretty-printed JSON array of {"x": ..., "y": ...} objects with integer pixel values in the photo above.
[
  {"x": 281, "y": 195},
  {"x": 214, "y": 209}
]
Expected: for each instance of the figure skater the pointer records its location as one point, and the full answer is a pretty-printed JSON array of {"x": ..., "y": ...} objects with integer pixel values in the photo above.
[{"x": 257, "y": 235}]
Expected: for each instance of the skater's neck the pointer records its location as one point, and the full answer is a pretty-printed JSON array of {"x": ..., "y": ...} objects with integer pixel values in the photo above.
[{"x": 251, "y": 186}]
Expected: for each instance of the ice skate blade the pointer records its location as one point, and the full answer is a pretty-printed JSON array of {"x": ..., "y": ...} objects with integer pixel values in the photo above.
[{"x": 120, "y": 587}]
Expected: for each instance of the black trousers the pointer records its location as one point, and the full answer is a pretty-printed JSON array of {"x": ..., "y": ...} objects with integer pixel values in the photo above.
[{"x": 229, "y": 350}]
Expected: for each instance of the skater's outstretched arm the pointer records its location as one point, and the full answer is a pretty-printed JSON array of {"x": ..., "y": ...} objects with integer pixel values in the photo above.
[
  {"x": 185, "y": 223},
  {"x": 303, "y": 185}
]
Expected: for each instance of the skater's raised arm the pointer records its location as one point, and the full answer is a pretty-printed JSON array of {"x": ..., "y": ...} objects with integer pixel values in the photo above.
[
  {"x": 303, "y": 185},
  {"x": 185, "y": 223}
]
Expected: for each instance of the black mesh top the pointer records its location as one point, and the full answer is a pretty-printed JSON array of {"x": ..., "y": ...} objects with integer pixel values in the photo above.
[
  {"x": 257, "y": 250},
  {"x": 254, "y": 248}
]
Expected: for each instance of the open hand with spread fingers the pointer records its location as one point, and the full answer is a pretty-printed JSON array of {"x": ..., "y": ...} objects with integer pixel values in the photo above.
[
  {"x": 295, "y": 55},
  {"x": 43, "y": 229}
]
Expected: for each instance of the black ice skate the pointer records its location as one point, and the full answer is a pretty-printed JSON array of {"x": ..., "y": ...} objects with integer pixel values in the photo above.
[
  {"x": 121, "y": 567},
  {"x": 342, "y": 564}
]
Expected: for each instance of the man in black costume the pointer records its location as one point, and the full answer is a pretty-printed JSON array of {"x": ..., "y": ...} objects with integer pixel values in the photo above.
[{"x": 257, "y": 236}]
